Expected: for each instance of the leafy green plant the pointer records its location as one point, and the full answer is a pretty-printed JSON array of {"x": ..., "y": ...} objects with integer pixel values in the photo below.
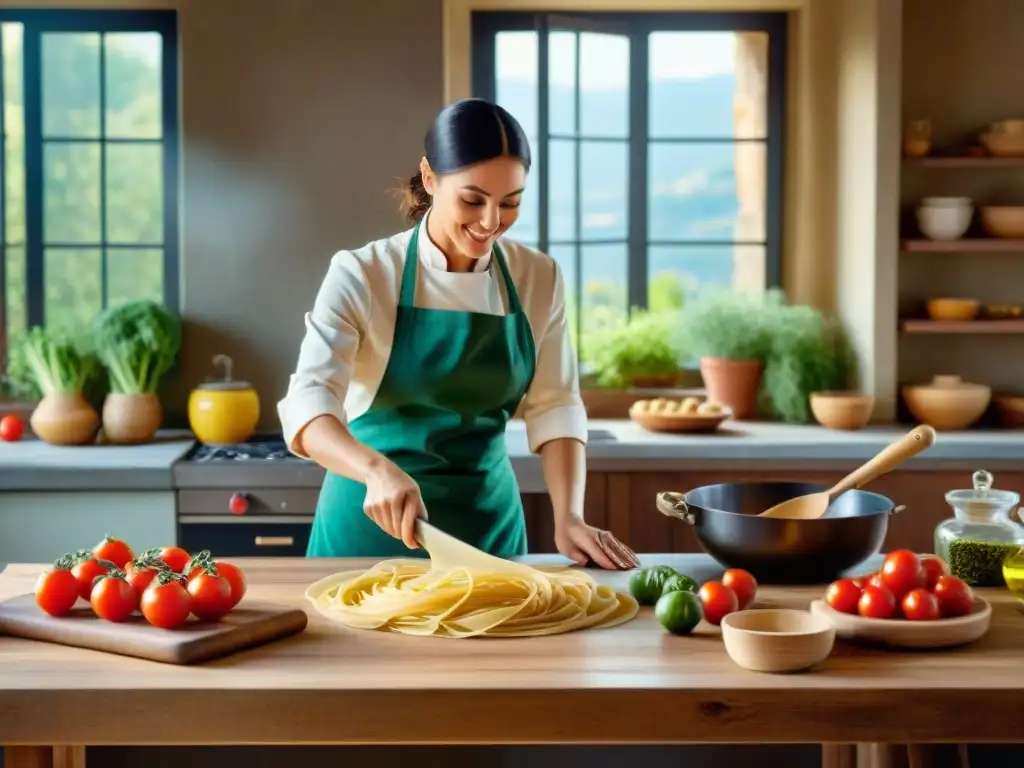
[
  {"x": 809, "y": 352},
  {"x": 728, "y": 324},
  {"x": 137, "y": 342},
  {"x": 641, "y": 347},
  {"x": 41, "y": 362}
]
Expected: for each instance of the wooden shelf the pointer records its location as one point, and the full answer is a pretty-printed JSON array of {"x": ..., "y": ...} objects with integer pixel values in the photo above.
[
  {"x": 972, "y": 245},
  {"x": 954, "y": 163},
  {"x": 1015, "y": 325}
]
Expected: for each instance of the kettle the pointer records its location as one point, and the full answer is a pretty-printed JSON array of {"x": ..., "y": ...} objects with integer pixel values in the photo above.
[{"x": 223, "y": 412}]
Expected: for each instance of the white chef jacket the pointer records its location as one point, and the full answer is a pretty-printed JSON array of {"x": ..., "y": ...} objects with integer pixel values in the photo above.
[{"x": 350, "y": 329}]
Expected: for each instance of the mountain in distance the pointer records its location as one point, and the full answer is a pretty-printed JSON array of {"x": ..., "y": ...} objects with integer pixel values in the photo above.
[{"x": 692, "y": 189}]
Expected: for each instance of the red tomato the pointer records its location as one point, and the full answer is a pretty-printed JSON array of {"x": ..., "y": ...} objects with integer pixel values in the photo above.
[
  {"x": 87, "y": 571},
  {"x": 954, "y": 595},
  {"x": 876, "y": 603},
  {"x": 165, "y": 603},
  {"x": 717, "y": 600},
  {"x": 902, "y": 572},
  {"x": 842, "y": 595},
  {"x": 114, "y": 550},
  {"x": 743, "y": 584},
  {"x": 57, "y": 590},
  {"x": 140, "y": 575},
  {"x": 862, "y": 581},
  {"x": 11, "y": 428},
  {"x": 211, "y": 596},
  {"x": 113, "y": 598},
  {"x": 176, "y": 558},
  {"x": 920, "y": 605},
  {"x": 933, "y": 567},
  {"x": 235, "y": 578}
]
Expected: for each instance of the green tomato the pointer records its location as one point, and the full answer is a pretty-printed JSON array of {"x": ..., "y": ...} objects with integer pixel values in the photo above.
[
  {"x": 647, "y": 584},
  {"x": 679, "y": 611},
  {"x": 679, "y": 582}
]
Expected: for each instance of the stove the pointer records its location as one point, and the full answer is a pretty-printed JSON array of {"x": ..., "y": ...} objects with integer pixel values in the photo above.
[{"x": 251, "y": 499}]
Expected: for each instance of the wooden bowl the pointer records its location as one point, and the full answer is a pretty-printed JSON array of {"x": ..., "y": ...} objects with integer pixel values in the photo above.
[
  {"x": 900, "y": 633},
  {"x": 1003, "y": 144},
  {"x": 777, "y": 639},
  {"x": 953, "y": 309},
  {"x": 842, "y": 410},
  {"x": 947, "y": 403},
  {"x": 654, "y": 421},
  {"x": 1003, "y": 220}
]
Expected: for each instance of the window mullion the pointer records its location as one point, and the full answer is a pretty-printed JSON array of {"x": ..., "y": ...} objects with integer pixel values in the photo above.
[
  {"x": 543, "y": 133},
  {"x": 32, "y": 90},
  {"x": 638, "y": 96}
]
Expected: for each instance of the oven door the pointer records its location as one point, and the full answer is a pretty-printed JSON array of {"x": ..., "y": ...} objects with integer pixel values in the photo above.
[{"x": 263, "y": 536}]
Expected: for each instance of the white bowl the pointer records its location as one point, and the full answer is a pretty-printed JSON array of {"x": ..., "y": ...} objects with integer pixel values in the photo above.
[
  {"x": 940, "y": 222},
  {"x": 777, "y": 639}
]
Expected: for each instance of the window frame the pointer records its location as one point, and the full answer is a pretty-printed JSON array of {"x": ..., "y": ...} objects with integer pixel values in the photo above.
[
  {"x": 36, "y": 23},
  {"x": 638, "y": 25}
]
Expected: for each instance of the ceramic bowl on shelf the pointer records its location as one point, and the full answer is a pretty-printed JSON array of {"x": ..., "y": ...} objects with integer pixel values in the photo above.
[
  {"x": 1002, "y": 220},
  {"x": 1003, "y": 143},
  {"x": 952, "y": 309},
  {"x": 777, "y": 639},
  {"x": 947, "y": 403},
  {"x": 944, "y": 218},
  {"x": 842, "y": 410},
  {"x": 1013, "y": 126},
  {"x": 901, "y": 633},
  {"x": 1011, "y": 410}
]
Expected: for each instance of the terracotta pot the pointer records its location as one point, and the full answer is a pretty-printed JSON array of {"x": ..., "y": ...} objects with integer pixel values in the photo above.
[
  {"x": 131, "y": 419},
  {"x": 65, "y": 420},
  {"x": 733, "y": 383}
]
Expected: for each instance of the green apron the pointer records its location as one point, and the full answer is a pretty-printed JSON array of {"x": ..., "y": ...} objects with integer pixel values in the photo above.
[{"x": 452, "y": 382}]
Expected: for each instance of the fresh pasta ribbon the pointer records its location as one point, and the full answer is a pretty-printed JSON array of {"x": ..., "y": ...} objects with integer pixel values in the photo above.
[{"x": 486, "y": 598}]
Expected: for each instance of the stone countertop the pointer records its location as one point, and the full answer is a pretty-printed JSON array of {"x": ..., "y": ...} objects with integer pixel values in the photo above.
[
  {"x": 32, "y": 465},
  {"x": 614, "y": 446}
]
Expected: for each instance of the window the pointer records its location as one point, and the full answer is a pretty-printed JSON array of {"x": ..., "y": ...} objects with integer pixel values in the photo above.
[
  {"x": 657, "y": 141},
  {"x": 89, "y": 158}
]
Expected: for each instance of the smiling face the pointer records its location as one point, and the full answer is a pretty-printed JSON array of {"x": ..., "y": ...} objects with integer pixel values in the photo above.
[{"x": 473, "y": 207}]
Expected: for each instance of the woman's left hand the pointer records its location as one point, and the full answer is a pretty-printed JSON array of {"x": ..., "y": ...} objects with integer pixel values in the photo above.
[{"x": 581, "y": 542}]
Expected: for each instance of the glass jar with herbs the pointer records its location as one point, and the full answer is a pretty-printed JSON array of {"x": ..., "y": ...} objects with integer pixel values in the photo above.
[{"x": 981, "y": 534}]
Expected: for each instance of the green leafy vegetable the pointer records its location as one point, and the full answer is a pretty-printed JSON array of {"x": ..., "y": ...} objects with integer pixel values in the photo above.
[
  {"x": 43, "y": 362},
  {"x": 641, "y": 347},
  {"x": 137, "y": 342}
]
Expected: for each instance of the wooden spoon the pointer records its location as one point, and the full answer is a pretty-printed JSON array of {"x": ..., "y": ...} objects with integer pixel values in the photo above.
[{"x": 814, "y": 505}]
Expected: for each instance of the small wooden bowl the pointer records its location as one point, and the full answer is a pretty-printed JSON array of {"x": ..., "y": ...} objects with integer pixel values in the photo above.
[
  {"x": 777, "y": 640},
  {"x": 953, "y": 309},
  {"x": 900, "y": 633},
  {"x": 842, "y": 410},
  {"x": 680, "y": 422}
]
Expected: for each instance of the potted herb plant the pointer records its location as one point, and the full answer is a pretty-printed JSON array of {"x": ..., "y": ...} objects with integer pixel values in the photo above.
[
  {"x": 137, "y": 342},
  {"x": 809, "y": 352},
  {"x": 55, "y": 367},
  {"x": 729, "y": 333},
  {"x": 638, "y": 353}
]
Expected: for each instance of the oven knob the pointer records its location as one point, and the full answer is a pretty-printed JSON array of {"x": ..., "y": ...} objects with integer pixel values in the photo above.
[{"x": 239, "y": 504}]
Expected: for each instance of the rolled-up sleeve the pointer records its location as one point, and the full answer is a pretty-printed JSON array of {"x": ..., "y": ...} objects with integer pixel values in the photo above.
[
  {"x": 335, "y": 328},
  {"x": 553, "y": 407}
]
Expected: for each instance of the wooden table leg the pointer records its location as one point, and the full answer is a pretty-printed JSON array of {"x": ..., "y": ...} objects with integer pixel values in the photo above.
[
  {"x": 44, "y": 757},
  {"x": 838, "y": 756}
]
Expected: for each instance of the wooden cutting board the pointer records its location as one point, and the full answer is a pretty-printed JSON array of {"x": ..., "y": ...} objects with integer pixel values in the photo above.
[{"x": 191, "y": 643}]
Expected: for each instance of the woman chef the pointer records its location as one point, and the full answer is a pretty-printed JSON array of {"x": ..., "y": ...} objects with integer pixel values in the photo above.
[{"x": 418, "y": 350}]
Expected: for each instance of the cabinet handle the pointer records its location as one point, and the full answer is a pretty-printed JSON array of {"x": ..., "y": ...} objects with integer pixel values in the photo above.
[{"x": 274, "y": 541}]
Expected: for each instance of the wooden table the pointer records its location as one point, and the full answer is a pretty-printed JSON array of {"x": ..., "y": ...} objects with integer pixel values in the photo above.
[{"x": 632, "y": 684}]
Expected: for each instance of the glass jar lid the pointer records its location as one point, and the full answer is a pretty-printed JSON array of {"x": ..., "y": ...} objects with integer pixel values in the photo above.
[
  {"x": 983, "y": 503},
  {"x": 227, "y": 383}
]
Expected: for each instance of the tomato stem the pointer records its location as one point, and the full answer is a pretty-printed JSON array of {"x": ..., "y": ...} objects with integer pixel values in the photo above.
[
  {"x": 202, "y": 560},
  {"x": 166, "y": 576}
]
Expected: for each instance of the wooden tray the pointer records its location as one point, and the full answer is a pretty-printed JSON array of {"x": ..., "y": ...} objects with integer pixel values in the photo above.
[
  {"x": 679, "y": 422},
  {"x": 900, "y": 633},
  {"x": 192, "y": 643}
]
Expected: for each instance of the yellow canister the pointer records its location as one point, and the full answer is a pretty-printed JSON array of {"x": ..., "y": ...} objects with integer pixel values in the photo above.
[{"x": 225, "y": 411}]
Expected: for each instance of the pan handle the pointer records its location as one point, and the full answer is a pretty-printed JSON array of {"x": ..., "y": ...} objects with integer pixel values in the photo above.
[
  {"x": 674, "y": 505},
  {"x": 897, "y": 509}
]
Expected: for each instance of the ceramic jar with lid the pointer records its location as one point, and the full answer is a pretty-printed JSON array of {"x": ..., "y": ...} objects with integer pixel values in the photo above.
[
  {"x": 224, "y": 412},
  {"x": 981, "y": 534}
]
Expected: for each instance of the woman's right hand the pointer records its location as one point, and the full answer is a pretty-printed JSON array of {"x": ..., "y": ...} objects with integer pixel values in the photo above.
[{"x": 393, "y": 502}]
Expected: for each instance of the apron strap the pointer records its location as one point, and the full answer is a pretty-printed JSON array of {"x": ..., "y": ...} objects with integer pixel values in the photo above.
[{"x": 407, "y": 296}]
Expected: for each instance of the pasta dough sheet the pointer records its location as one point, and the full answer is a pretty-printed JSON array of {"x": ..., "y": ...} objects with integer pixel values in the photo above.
[{"x": 463, "y": 592}]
